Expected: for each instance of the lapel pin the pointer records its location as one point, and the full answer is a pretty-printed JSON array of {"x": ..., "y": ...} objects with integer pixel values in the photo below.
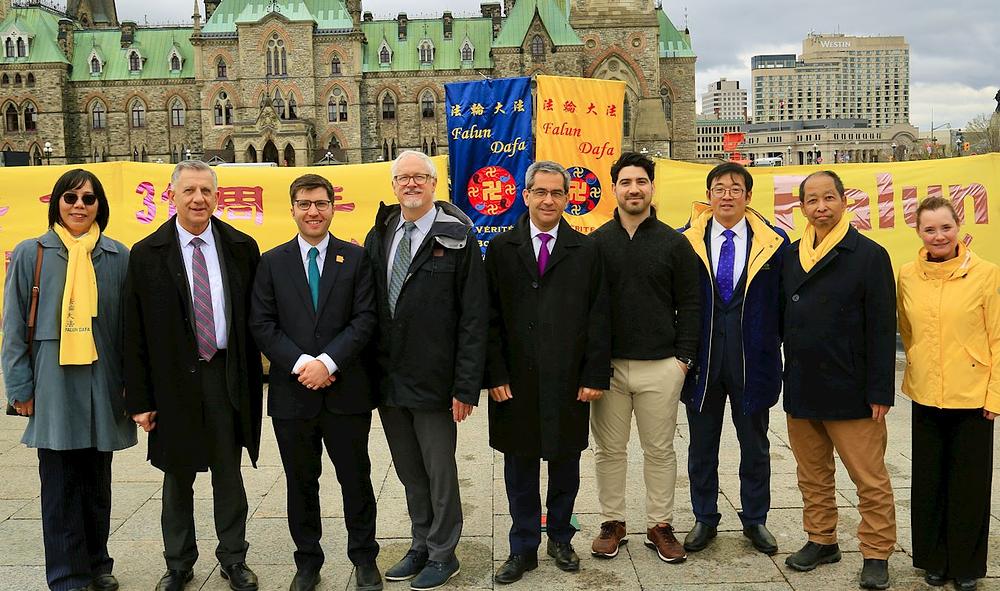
[{"x": 340, "y": 258}]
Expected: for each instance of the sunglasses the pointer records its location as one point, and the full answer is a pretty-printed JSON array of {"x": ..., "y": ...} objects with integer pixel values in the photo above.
[{"x": 70, "y": 199}]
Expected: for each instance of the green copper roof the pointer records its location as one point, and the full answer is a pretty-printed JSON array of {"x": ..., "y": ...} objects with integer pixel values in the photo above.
[
  {"x": 327, "y": 14},
  {"x": 553, "y": 14},
  {"x": 447, "y": 52},
  {"x": 154, "y": 46},
  {"x": 673, "y": 43},
  {"x": 42, "y": 25}
]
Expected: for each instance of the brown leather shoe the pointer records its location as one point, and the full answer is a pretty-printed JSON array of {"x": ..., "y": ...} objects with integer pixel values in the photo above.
[
  {"x": 661, "y": 538},
  {"x": 607, "y": 542}
]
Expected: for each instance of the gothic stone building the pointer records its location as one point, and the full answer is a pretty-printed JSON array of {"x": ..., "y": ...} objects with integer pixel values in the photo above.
[{"x": 303, "y": 81}]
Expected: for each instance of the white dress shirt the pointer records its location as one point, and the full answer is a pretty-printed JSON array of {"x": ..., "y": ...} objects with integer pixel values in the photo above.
[
  {"x": 536, "y": 242},
  {"x": 739, "y": 241},
  {"x": 416, "y": 237},
  {"x": 215, "y": 282},
  {"x": 304, "y": 248}
]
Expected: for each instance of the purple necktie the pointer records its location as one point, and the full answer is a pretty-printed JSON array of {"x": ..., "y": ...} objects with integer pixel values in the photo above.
[
  {"x": 543, "y": 253},
  {"x": 204, "y": 317},
  {"x": 727, "y": 261}
]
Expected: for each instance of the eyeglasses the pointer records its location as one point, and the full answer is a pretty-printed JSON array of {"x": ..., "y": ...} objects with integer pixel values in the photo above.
[
  {"x": 404, "y": 179},
  {"x": 736, "y": 192},
  {"x": 541, "y": 193},
  {"x": 70, "y": 199},
  {"x": 305, "y": 204}
]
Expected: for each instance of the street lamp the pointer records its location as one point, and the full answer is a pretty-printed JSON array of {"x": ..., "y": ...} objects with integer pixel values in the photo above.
[
  {"x": 788, "y": 155},
  {"x": 48, "y": 152},
  {"x": 815, "y": 153}
]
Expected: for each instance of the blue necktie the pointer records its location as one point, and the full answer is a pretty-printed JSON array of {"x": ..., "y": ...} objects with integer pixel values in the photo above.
[
  {"x": 314, "y": 277},
  {"x": 727, "y": 260}
]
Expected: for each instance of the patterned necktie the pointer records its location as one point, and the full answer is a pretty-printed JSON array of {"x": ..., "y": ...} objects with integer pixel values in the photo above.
[
  {"x": 727, "y": 261},
  {"x": 543, "y": 253},
  {"x": 400, "y": 265},
  {"x": 314, "y": 276},
  {"x": 204, "y": 317}
]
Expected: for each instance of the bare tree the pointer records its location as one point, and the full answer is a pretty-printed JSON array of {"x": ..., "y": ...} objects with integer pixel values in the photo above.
[{"x": 983, "y": 133}]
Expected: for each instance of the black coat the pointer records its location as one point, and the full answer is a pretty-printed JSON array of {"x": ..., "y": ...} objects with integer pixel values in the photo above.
[
  {"x": 285, "y": 326},
  {"x": 548, "y": 337},
  {"x": 433, "y": 349},
  {"x": 161, "y": 354},
  {"x": 839, "y": 324}
]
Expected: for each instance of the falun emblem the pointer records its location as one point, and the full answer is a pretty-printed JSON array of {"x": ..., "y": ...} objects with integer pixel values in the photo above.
[
  {"x": 584, "y": 191},
  {"x": 492, "y": 190}
]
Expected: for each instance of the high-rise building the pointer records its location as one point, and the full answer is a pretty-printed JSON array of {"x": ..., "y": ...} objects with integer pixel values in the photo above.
[
  {"x": 724, "y": 99},
  {"x": 836, "y": 77}
]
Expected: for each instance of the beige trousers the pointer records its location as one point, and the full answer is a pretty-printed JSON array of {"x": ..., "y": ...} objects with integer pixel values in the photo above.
[{"x": 651, "y": 390}]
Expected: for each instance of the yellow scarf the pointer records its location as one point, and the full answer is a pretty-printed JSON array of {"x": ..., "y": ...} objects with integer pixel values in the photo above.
[
  {"x": 954, "y": 267},
  {"x": 809, "y": 255},
  {"x": 79, "y": 303}
]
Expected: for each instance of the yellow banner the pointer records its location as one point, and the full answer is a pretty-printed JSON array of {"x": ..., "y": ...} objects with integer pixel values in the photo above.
[{"x": 579, "y": 125}]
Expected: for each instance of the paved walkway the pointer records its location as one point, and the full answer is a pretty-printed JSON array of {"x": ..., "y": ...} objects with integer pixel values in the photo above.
[{"x": 730, "y": 563}]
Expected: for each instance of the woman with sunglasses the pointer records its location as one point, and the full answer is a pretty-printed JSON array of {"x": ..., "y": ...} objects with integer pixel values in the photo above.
[
  {"x": 69, "y": 380},
  {"x": 949, "y": 319}
]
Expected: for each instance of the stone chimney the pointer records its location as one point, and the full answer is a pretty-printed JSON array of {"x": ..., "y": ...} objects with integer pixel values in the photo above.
[
  {"x": 491, "y": 10},
  {"x": 65, "y": 35},
  {"x": 210, "y": 6},
  {"x": 447, "y": 20},
  {"x": 128, "y": 33},
  {"x": 354, "y": 9},
  {"x": 401, "y": 19},
  {"x": 367, "y": 17}
]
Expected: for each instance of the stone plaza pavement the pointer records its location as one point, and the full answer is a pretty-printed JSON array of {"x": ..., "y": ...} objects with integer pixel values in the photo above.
[{"x": 729, "y": 563}]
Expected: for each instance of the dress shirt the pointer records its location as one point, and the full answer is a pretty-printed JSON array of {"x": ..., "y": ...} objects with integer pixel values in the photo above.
[
  {"x": 739, "y": 241},
  {"x": 536, "y": 242},
  {"x": 304, "y": 248},
  {"x": 214, "y": 277},
  {"x": 416, "y": 237}
]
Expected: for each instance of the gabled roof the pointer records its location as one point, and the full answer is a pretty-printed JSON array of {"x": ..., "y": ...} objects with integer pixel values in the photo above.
[
  {"x": 673, "y": 43},
  {"x": 327, "y": 14},
  {"x": 447, "y": 52},
  {"x": 553, "y": 14},
  {"x": 42, "y": 24},
  {"x": 154, "y": 45}
]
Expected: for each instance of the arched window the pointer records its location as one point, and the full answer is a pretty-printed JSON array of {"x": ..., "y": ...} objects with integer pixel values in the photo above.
[
  {"x": 134, "y": 62},
  {"x": 4, "y": 81},
  {"x": 331, "y": 110},
  {"x": 426, "y": 52},
  {"x": 135, "y": 154},
  {"x": 11, "y": 119},
  {"x": 37, "y": 156},
  {"x": 337, "y": 106},
  {"x": 177, "y": 114},
  {"x": 221, "y": 69},
  {"x": 143, "y": 157},
  {"x": 98, "y": 116},
  {"x": 175, "y": 63},
  {"x": 434, "y": 147},
  {"x": 424, "y": 148},
  {"x": 668, "y": 103},
  {"x": 223, "y": 109},
  {"x": 279, "y": 104},
  {"x": 31, "y": 80},
  {"x": 9, "y": 48},
  {"x": 138, "y": 111},
  {"x": 385, "y": 150},
  {"x": 384, "y": 55},
  {"x": 17, "y": 80},
  {"x": 22, "y": 49},
  {"x": 335, "y": 69},
  {"x": 388, "y": 107},
  {"x": 30, "y": 117},
  {"x": 538, "y": 48},
  {"x": 292, "y": 110},
  {"x": 467, "y": 51},
  {"x": 342, "y": 108},
  {"x": 276, "y": 56},
  {"x": 626, "y": 117},
  {"x": 427, "y": 104},
  {"x": 95, "y": 65}
]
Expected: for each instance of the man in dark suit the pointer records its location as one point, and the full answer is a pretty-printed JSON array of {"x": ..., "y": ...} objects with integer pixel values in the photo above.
[
  {"x": 739, "y": 356},
  {"x": 430, "y": 290},
  {"x": 549, "y": 355},
  {"x": 313, "y": 313},
  {"x": 192, "y": 372}
]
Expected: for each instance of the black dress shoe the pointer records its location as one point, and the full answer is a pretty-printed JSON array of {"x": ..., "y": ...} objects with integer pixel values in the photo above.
[
  {"x": 935, "y": 579},
  {"x": 106, "y": 582},
  {"x": 515, "y": 567},
  {"x": 174, "y": 580},
  {"x": 699, "y": 537},
  {"x": 761, "y": 539},
  {"x": 564, "y": 555},
  {"x": 240, "y": 577},
  {"x": 304, "y": 580},
  {"x": 812, "y": 555},
  {"x": 966, "y": 584},
  {"x": 367, "y": 577}
]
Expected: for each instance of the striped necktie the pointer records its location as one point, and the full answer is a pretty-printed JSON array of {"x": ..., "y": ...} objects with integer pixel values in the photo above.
[
  {"x": 400, "y": 265},
  {"x": 204, "y": 317}
]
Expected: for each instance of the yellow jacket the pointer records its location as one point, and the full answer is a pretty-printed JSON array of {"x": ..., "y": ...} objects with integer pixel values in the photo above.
[{"x": 949, "y": 319}]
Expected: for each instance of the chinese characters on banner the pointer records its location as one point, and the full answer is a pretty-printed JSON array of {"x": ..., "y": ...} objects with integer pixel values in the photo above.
[
  {"x": 489, "y": 138},
  {"x": 580, "y": 126}
]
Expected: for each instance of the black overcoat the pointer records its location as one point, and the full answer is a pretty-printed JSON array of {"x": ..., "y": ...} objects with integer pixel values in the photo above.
[
  {"x": 549, "y": 336},
  {"x": 161, "y": 354}
]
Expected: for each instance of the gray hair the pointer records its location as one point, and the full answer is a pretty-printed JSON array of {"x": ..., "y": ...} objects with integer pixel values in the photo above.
[
  {"x": 431, "y": 169},
  {"x": 196, "y": 165},
  {"x": 546, "y": 166}
]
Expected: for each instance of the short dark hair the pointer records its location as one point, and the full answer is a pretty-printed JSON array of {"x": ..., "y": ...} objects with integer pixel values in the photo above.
[
  {"x": 730, "y": 168},
  {"x": 308, "y": 182},
  {"x": 72, "y": 180},
  {"x": 633, "y": 159},
  {"x": 837, "y": 183},
  {"x": 935, "y": 203}
]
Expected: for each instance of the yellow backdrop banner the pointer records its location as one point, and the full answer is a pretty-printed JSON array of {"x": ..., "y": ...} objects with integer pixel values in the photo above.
[{"x": 579, "y": 125}]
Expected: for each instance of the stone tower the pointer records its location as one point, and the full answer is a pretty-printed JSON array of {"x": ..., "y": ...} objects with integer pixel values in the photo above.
[{"x": 98, "y": 14}]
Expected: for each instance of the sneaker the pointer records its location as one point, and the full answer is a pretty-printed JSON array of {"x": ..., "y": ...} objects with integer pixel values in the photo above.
[
  {"x": 875, "y": 574},
  {"x": 408, "y": 567},
  {"x": 435, "y": 574},
  {"x": 661, "y": 538},
  {"x": 812, "y": 555},
  {"x": 612, "y": 536}
]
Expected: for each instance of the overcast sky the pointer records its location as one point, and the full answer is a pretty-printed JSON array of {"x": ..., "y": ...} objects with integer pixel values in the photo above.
[{"x": 954, "y": 45}]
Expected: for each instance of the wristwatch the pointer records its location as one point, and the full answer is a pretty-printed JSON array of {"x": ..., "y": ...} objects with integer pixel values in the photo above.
[{"x": 686, "y": 361}]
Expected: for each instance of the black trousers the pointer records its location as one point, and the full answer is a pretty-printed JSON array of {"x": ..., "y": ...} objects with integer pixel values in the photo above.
[
  {"x": 76, "y": 515},
  {"x": 228, "y": 494},
  {"x": 952, "y": 482},
  {"x": 520, "y": 476},
  {"x": 300, "y": 442}
]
